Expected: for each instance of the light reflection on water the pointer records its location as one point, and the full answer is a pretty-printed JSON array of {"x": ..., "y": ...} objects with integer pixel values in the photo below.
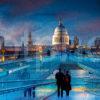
[
  {"x": 84, "y": 96},
  {"x": 79, "y": 89},
  {"x": 79, "y": 73}
]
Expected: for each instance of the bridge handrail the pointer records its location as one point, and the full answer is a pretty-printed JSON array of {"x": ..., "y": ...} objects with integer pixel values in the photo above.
[
  {"x": 12, "y": 81},
  {"x": 19, "y": 60},
  {"x": 8, "y": 90},
  {"x": 23, "y": 87},
  {"x": 24, "y": 80}
]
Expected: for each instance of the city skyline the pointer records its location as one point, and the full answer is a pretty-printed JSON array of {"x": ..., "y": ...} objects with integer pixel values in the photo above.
[{"x": 18, "y": 18}]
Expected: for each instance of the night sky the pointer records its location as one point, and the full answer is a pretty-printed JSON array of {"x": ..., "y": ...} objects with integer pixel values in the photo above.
[{"x": 19, "y": 17}]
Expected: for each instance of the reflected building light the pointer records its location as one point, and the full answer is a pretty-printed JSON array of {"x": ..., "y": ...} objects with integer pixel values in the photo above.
[
  {"x": 10, "y": 71},
  {"x": 84, "y": 96},
  {"x": 54, "y": 73},
  {"x": 81, "y": 73},
  {"x": 1, "y": 69},
  {"x": 43, "y": 91},
  {"x": 3, "y": 58},
  {"x": 41, "y": 58},
  {"x": 79, "y": 89}
]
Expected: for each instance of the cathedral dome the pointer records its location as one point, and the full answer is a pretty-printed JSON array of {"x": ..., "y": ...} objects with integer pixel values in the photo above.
[
  {"x": 60, "y": 29},
  {"x": 60, "y": 35}
]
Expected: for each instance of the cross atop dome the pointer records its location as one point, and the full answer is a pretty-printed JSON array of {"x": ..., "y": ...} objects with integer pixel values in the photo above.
[{"x": 60, "y": 22}]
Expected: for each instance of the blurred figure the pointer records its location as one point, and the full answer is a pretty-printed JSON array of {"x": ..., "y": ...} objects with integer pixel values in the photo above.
[
  {"x": 59, "y": 81},
  {"x": 28, "y": 92}
]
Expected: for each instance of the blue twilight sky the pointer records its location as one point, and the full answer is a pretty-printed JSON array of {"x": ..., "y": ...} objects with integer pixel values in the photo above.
[{"x": 19, "y": 17}]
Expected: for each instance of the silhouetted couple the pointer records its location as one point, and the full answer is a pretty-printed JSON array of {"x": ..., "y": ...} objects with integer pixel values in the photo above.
[{"x": 63, "y": 82}]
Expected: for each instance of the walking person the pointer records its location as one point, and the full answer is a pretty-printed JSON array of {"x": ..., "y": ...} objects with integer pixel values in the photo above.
[
  {"x": 28, "y": 92},
  {"x": 67, "y": 83},
  {"x": 59, "y": 81}
]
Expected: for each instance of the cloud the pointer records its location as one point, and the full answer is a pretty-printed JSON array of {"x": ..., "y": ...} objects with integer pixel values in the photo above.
[
  {"x": 46, "y": 40},
  {"x": 20, "y": 7},
  {"x": 88, "y": 30},
  {"x": 90, "y": 26},
  {"x": 67, "y": 15},
  {"x": 18, "y": 17},
  {"x": 15, "y": 33}
]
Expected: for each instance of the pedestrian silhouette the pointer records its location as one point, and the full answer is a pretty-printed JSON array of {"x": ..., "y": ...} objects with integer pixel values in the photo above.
[
  {"x": 67, "y": 83},
  {"x": 59, "y": 81}
]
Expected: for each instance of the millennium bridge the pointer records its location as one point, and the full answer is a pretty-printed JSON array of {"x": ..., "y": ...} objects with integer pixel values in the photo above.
[{"x": 39, "y": 73}]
